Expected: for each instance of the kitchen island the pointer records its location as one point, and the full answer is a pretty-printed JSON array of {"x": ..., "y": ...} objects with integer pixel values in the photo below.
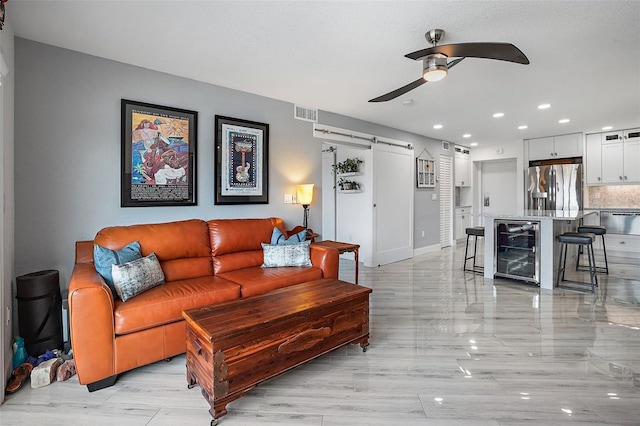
[{"x": 537, "y": 231}]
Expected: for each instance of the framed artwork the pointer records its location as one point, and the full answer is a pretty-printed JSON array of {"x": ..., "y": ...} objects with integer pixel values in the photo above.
[
  {"x": 425, "y": 173},
  {"x": 158, "y": 155},
  {"x": 242, "y": 161}
]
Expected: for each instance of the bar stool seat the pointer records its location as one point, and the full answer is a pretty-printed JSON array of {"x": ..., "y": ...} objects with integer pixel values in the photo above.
[
  {"x": 596, "y": 230},
  {"x": 476, "y": 232},
  {"x": 582, "y": 240}
]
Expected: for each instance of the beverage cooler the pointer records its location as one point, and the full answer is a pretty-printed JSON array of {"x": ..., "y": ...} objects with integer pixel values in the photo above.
[{"x": 517, "y": 245}]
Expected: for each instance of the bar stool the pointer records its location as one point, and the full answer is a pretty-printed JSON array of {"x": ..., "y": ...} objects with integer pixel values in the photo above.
[
  {"x": 573, "y": 238},
  {"x": 475, "y": 232},
  {"x": 597, "y": 230}
]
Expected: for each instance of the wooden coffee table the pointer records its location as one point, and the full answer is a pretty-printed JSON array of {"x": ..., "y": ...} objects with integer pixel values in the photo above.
[{"x": 234, "y": 346}]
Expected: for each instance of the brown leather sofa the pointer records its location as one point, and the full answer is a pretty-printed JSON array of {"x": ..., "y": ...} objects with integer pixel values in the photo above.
[{"x": 204, "y": 262}]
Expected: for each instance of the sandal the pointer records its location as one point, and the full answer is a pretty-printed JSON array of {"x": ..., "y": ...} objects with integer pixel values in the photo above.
[{"x": 18, "y": 377}]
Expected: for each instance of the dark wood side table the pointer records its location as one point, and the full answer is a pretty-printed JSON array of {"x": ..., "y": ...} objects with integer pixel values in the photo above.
[
  {"x": 342, "y": 248},
  {"x": 310, "y": 234}
]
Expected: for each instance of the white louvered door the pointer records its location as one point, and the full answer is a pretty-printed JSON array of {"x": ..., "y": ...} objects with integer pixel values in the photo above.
[{"x": 446, "y": 201}]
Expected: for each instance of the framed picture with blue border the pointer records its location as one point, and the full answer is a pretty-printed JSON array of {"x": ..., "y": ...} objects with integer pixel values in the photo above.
[
  {"x": 158, "y": 155},
  {"x": 241, "y": 161}
]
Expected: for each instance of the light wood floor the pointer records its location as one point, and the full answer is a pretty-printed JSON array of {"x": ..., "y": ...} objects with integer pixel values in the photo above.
[{"x": 447, "y": 348}]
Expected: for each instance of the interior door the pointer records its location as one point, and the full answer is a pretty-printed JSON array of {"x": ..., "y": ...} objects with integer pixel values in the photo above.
[
  {"x": 446, "y": 201},
  {"x": 392, "y": 203}
]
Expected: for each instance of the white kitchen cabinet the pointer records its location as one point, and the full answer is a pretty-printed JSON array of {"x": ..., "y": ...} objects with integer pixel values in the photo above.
[
  {"x": 613, "y": 157},
  {"x": 562, "y": 146},
  {"x": 462, "y": 163},
  {"x": 620, "y": 162},
  {"x": 593, "y": 160},
  {"x": 623, "y": 245},
  {"x": 462, "y": 222}
]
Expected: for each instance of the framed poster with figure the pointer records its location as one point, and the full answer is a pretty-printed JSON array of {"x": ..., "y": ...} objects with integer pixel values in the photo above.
[
  {"x": 242, "y": 160},
  {"x": 158, "y": 155}
]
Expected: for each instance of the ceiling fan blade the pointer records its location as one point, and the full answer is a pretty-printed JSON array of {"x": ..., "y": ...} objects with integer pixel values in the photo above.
[
  {"x": 500, "y": 51},
  {"x": 401, "y": 91},
  {"x": 454, "y": 63}
]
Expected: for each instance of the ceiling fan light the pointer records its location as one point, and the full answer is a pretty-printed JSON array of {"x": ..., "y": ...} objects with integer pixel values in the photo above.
[{"x": 435, "y": 68}]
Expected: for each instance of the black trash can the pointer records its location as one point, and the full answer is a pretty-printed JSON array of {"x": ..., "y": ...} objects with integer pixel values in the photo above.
[{"x": 40, "y": 311}]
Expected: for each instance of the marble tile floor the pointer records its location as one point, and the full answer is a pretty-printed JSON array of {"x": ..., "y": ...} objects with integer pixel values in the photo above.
[{"x": 447, "y": 348}]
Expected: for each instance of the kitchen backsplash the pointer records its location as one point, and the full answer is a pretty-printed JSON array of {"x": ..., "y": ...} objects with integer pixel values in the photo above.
[{"x": 614, "y": 196}]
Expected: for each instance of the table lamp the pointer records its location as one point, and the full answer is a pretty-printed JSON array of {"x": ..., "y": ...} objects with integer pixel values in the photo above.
[{"x": 305, "y": 196}]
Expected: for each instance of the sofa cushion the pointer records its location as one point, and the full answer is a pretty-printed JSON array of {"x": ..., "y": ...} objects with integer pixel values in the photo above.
[
  {"x": 286, "y": 255},
  {"x": 182, "y": 247},
  {"x": 259, "y": 280},
  {"x": 104, "y": 258},
  {"x": 234, "y": 235},
  {"x": 237, "y": 243},
  {"x": 278, "y": 237},
  {"x": 164, "y": 304},
  {"x": 132, "y": 278}
]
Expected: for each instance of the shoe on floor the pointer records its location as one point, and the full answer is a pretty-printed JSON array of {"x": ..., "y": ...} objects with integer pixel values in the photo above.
[{"x": 18, "y": 377}]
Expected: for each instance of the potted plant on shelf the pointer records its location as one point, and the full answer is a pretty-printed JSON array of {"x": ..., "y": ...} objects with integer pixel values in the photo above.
[
  {"x": 348, "y": 185},
  {"x": 350, "y": 165}
]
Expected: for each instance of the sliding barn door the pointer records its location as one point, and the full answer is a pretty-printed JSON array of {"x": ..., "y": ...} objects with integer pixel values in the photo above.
[{"x": 393, "y": 181}]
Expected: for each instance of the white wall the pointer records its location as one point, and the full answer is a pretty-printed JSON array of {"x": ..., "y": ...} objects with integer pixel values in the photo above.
[
  {"x": 493, "y": 153},
  {"x": 7, "y": 211}
]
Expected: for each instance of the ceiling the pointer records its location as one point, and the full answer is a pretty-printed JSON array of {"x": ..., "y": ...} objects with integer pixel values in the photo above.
[{"x": 335, "y": 56}]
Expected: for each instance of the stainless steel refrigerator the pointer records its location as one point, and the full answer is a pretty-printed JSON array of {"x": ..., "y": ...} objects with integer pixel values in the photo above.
[{"x": 554, "y": 187}]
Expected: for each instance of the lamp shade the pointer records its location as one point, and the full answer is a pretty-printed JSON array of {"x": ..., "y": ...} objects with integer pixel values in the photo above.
[{"x": 305, "y": 193}]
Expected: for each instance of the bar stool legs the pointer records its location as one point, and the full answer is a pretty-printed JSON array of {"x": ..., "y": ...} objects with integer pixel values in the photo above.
[
  {"x": 597, "y": 230},
  {"x": 581, "y": 240},
  {"x": 475, "y": 232}
]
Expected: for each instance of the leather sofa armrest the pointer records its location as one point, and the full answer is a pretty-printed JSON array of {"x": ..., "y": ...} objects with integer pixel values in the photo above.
[
  {"x": 325, "y": 258},
  {"x": 91, "y": 322}
]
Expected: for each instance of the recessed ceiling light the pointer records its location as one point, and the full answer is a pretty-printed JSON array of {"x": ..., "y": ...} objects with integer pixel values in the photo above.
[
  {"x": 498, "y": 115},
  {"x": 466, "y": 135},
  {"x": 437, "y": 126},
  {"x": 474, "y": 144},
  {"x": 544, "y": 106},
  {"x": 564, "y": 120},
  {"x": 522, "y": 127},
  {"x": 607, "y": 128}
]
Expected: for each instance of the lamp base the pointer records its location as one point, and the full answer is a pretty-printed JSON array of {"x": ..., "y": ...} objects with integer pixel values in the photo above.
[{"x": 305, "y": 220}]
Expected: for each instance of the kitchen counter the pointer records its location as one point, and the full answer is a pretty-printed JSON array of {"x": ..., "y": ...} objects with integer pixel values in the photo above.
[
  {"x": 552, "y": 223},
  {"x": 542, "y": 215}
]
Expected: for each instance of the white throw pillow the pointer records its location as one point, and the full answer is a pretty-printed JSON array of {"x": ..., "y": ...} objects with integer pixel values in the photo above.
[
  {"x": 286, "y": 255},
  {"x": 137, "y": 276}
]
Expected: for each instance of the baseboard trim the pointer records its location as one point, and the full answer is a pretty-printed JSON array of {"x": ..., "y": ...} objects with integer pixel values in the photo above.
[{"x": 426, "y": 249}]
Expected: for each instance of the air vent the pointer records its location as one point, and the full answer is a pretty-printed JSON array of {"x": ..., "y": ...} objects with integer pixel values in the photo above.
[
  {"x": 445, "y": 146},
  {"x": 305, "y": 114}
]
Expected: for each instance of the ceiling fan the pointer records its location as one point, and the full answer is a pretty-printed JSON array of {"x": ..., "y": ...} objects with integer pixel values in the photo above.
[{"x": 436, "y": 59}]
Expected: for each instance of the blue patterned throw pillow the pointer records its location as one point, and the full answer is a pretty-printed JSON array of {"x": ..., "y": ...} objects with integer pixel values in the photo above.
[
  {"x": 137, "y": 276},
  {"x": 276, "y": 256},
  {"x": 278, "y": 238},
  {"x": 104, "y": 258}
]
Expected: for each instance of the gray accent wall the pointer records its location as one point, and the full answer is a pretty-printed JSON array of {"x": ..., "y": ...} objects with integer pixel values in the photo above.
[{"x": 67, "y": 152}]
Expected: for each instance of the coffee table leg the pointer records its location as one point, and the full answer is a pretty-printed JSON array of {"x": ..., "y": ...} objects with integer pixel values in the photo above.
[{"x": 356, "y": 259}]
